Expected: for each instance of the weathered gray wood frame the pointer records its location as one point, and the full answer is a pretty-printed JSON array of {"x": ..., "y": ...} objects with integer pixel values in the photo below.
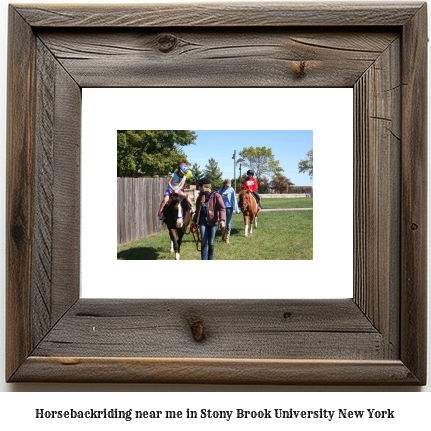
[{"x": 378, "y": 337}]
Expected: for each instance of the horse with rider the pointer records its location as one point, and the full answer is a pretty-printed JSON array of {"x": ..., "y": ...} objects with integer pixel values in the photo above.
[{"x": 249, "y": 202}]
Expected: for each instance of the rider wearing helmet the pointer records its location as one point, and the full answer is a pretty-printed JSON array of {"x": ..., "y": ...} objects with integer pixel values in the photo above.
[
  {"x": 251, "y": 184},
  {"x": 175, "y": 184}
]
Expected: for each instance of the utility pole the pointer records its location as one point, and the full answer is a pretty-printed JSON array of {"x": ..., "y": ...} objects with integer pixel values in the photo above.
[
  {"x": 234, "y": 170},
  {"x": 239, "y": 171}
]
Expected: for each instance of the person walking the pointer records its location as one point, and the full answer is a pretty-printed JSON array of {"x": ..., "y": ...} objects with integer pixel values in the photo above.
[
  {"x": 229, "y": 199},
  {"x": 210, "y": 210}
]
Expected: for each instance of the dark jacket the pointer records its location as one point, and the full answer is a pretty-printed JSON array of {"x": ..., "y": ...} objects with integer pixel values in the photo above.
[{"x": 216, "y": 210}]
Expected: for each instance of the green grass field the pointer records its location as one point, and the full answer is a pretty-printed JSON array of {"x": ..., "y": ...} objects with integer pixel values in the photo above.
[
  {"x": 272, "y": 203},
  {"x": 280, "y": 235}
]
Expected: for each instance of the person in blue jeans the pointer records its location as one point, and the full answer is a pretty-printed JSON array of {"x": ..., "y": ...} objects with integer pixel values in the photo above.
[
  {"x": 229, "y": 199},
  {"x": 210, "y": 210}
]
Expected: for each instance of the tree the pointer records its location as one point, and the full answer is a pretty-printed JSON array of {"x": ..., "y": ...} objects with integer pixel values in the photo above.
[
  {"x": 263, "y": 185},
  {"x": 151, "y": 151},
  {"x": 261, "y": 160},
  {"x": 239, "y": 182},
  {"x": 197, "y": 174},
  {"x": 307, "y": 164},
  {"x": 213, "y": 172},
  {"x": 280, "y": 184}
]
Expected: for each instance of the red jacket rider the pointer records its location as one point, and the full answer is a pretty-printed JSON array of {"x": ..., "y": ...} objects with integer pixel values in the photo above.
[{"x": 251, "y": 184}]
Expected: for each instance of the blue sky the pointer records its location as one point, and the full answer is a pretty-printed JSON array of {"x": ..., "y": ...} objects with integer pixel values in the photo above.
[{"x": 288, "y": 147}]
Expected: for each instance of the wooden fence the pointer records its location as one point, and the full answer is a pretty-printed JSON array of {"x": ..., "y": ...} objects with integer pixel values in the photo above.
[{"x": 138, "y": 201}]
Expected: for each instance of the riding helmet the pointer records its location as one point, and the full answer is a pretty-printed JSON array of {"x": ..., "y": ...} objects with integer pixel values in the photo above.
[
  {"x": 184, "y": 168},
  {"x": 250, "y": 171}
]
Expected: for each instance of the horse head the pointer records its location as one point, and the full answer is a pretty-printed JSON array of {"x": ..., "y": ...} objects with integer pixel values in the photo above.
[
  {"x": 244, "y": 200},
  {"x": 181, "y": 212}
]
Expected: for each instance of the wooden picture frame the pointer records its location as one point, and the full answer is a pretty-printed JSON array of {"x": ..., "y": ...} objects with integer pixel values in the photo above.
[{"x": 376, "y": 338}]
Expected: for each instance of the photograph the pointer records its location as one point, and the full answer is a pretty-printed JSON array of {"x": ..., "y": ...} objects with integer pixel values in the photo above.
[{"x": 245, "y": 188}]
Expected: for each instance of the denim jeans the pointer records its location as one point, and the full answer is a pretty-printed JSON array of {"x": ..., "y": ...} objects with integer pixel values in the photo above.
[
  {"x": 229, "y": 212},
  {"x": 208, "y": 233}
]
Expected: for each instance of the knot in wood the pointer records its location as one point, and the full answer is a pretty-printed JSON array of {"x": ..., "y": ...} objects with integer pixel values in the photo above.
[
  {"x": 18, "y": 233},
  {"x": 300, "y": 69},
  {"x": 197, "y": 327},
  {"x": 414, "y": 226},
  {"x": 167, "y": 42}
]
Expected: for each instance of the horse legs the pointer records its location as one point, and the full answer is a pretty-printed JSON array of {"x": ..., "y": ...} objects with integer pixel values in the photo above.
[
  {"x": 173, "y": 235},
  {"x": 255, "y": 221},
  {"x": 180, "y": 240},
  {"x": 251, "y": 222},
  {"x": 246, "y": 225}
]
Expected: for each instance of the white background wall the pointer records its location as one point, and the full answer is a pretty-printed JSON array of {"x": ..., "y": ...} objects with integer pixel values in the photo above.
[
  {"x": 17, "y": 406},
  {"x": 329, "y": 273}
]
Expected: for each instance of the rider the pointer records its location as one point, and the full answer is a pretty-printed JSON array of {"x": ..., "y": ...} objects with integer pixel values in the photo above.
[
  {"x": 175, "y": 184},
  {"x": 251, "y": 184}
]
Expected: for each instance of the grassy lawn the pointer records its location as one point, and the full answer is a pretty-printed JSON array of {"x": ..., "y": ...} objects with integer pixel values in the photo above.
[
  {"x": 280, "y": 235},
  {"x": 272, "y": 203}
]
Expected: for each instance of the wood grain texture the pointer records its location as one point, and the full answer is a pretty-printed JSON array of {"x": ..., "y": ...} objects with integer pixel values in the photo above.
[
  {"x": 55, "y": 278},
  {"x": 215, "y": 371},
  {"x": 234, "y": 329},
  {"x": 414, "y": 191},
  {"x": 67, "y": 198},
  {"x": 220, "y": 15},
  {"x": 210, "y": 57},
  {"x": 43, "y": 194},
  {"x": 19, "y": 198},
  {"x": 368, "y": 340},
  {"x": 138, "y": 202},
  {"x": 377, "y": 146}
]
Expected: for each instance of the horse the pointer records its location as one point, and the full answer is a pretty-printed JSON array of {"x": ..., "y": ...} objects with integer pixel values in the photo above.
[
  {"x": 248, "y": 205},
  {"x": 177, "y": 219}
]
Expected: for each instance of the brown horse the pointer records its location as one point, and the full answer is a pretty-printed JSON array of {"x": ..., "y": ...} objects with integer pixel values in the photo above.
[
  {"x": 248, "y": 206},
  {"x": 177, "y": 219}
]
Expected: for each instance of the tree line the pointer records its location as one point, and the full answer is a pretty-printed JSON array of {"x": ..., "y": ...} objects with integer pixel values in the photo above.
[
  {"x": 157, "y": 153},
  {"x": 151, "y": 152}
]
